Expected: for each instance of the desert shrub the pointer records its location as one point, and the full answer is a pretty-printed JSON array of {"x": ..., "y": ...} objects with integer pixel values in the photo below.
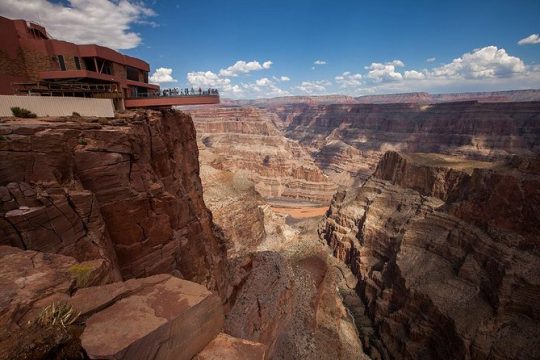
[
  {"x": 3, "y": 138},
  {"x": 57, "y": 314},
  {"x": 82, "y": 274},
  {"x": 75, "y": 114},
  {"x": 104, "y": 121},
  {"x": 22, "y": 112},
  {"x": 82, "y": 141}
]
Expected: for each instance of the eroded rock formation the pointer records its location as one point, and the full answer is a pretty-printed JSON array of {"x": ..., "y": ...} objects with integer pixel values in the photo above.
[
  {"x": 125, "y": 190},
  {"x": 450, "y": 269},
  {"x": 247, "y": 139},
  {"x": 483, "y": 131}
]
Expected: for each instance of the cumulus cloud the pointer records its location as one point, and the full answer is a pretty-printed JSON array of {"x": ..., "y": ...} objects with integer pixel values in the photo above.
[
  {"x": 263, "y": 87},
  {"x": 208, "y": 79},
  {"x": 263, "y": 82},
  {"x": 431, "y": 59},
  {"x": 348, "y": 80},
  {"x": 313, "y": 87},
  {"x": 162, "y": 75},
  {"x": 103, "y": 22},
  {"x": 487, "y": 62},
  {"x": 284, "y": 78},
  {"x": 530, "y": 40},
  {"x": 413, "y": 75},
  {"x": 319, "y": 62},
  {"x": 243, "y": 67},
  {"x": 379, "y": 72}
]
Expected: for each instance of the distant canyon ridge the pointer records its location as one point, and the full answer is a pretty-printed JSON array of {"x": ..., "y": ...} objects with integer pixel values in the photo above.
[{"x": 304, "y": 148}]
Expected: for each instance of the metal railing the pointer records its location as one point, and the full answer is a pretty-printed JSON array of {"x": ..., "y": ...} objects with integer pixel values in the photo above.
[{"x": 176, "y": 92}]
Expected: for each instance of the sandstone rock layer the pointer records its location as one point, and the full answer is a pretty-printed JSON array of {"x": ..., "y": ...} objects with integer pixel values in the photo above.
[{"x": 458, "y": 278}]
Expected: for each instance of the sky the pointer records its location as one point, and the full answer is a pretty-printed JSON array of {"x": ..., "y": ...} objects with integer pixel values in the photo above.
[{"x": 257, "y": 49}]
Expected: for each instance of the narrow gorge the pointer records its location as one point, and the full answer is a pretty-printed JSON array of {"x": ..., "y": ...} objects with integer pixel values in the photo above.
[{"x": 301, "y": 228}]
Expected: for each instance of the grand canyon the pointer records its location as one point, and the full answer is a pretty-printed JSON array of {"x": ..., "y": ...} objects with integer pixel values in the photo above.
[{"x": 302, "y": 228}]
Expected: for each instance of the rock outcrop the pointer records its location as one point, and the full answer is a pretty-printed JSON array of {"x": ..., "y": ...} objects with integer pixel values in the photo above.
[
  {"x": 159, "y": 317},
  {"x": 247, "y": 139},
  {"x": 125, "y": 190},
  {"x": 236, "y": 206},
  {"x": 227, "y": 347},
  {"x": 458, "y": 278},
  {"x": 481, "y": 131}
]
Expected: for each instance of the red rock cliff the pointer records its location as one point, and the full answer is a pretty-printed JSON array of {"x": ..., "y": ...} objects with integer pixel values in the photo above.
[
  {"x": 125, "y": 190},
  {"x": 453, "y": 279}
]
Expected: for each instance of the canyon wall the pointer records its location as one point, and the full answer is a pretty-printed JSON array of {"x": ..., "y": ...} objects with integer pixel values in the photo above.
[
  {"x": 447, "y": 257},
  {"x": 247, "y": 139},
  {"x": 125, "y": 190},
  {"x": 347, "y": 141}
]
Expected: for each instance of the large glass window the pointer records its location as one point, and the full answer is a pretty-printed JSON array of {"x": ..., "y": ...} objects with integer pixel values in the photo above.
[
  {"x": 77, "y": 62},
  {"x": 62, "y": 62},
  {"x": 132, "y": 73}
]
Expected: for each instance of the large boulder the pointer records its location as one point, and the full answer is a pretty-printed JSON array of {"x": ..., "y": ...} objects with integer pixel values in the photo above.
[{"x": 159, "y": 317}]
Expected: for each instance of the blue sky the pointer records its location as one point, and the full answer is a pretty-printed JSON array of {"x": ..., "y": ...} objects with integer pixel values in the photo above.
[{"x": 363, "y": 47}]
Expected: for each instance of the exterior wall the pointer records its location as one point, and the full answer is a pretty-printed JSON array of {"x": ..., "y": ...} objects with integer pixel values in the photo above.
[
  {"x": 57, "y": 106},
  {"x": 24, "y": 58}
]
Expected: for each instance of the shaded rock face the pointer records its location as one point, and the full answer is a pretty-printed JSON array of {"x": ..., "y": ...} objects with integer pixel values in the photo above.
[
  {"x": 127, "y": 191},
  {"x": 483, "y": 131},
  {"x": 247, "y": 139},
  {"x": 236, "y": 208},
  {"x": 443, "y": 279}
]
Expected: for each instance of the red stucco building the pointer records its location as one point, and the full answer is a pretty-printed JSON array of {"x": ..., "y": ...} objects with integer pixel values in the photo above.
[{"x": 31, "y": 62}]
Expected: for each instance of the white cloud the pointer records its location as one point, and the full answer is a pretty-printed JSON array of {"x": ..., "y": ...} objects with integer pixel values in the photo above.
[
  {"x": 263, "y": 82},
  {"x": 284, "y": 78},
  {"x": 243, "y": 67},
  {"x": 530, "y": 40},
  {"x": 263, "y": 87},
  {"x": 487, "y": 62},
  {"x": 379, "y": 72},
  {"x": 413, "y": 75},
  {"x": 313, "y": 87},
  {"x": 348, "y": 80},
  {"x": 103, "y": 22},
  {"x": 319, "y": 62},
  {"x": 431, "y": 59},
  {"x": 162, "y": 75}
]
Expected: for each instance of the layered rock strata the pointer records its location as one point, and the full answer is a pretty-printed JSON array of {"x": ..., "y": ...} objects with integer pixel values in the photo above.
[
  {"x": 482, "y": 131},
  {"x": 157, "y": 317},
  {"x": 125, "y": 190},
  {"x": 457, "y": 278},
  {"x": 247, "y": 139}
]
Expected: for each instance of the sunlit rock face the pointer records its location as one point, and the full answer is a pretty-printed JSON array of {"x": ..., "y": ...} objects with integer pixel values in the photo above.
[
  {"x": 247, "y": 139},
  {"x": 448, "y": 263},
  {"x": 125, "y": 190},
  {"x": 341, "y": 136}
]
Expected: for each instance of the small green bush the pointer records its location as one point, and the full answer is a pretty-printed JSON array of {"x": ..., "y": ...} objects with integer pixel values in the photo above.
[
  {"x": 3, "y": 138},
  {"x": 82, "y": 141},
  {"x": 75, "y": 114},
  {"x": 22, "y": 113},
  {"x": 57, "y": 314}
]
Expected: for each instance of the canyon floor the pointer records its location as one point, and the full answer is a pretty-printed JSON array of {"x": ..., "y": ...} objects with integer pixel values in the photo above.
[{"x": 273, "y": 230}]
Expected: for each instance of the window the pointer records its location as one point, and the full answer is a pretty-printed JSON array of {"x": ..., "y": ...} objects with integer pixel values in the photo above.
[
  {"x": 89, "y": 63},
  {"x": 61, "y": 62},
  {"x": 132, "y": 73},
  {"x": 77, "y": 62}
]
